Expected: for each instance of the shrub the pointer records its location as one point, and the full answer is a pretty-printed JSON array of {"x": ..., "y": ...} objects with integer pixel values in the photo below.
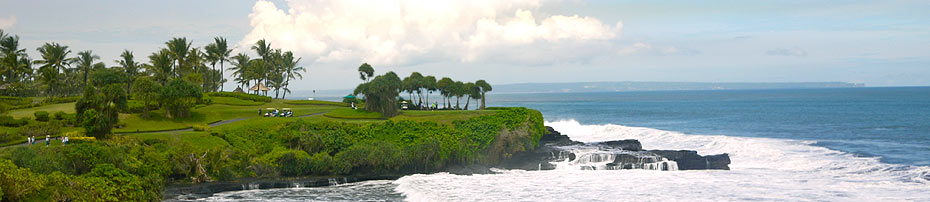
[
  {"x": 39, "y": 129},
  {"x": 201, "y": 127},
  {"x": 9, "y": 121},
  {"x": 243, "y": 96},
  {"x": 81, "y": 139},
  {"x": 353, "y": 114},
  {"x": 7, "y": 137},
  {"x": 41, "y": 116},
  {"x": 17, "y": 182},
  {"x": 60, "y": 115},
  {"x": 59, "y": 100}
]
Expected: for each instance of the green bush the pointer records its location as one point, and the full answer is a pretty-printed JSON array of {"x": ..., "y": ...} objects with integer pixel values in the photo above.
[
  {"x": 17, "y": 182},
  {"x": 8, "y": 137},
  {"x": 235, "y": 101},
  {"x": 59, "y": 115},
  {"x": 9, "y": 121},
  {"x": 59, "y": 100},
  {"x": 41, "y": 116},
  {"x": 39, "y": 129},
  {"x": 201, "y": 127},
  {"x": 243, "y": 96}
]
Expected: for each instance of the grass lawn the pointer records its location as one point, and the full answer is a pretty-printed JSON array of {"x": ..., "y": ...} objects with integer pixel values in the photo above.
[
  {"x": 441, "y": 116},
  {"x": 353, "y": 114},
  {"x": 210, "y": 114},
  {"x": 51, "y": 109},
  {"x": 235, "y": 101},
  {"x": 315, "y": 102}
]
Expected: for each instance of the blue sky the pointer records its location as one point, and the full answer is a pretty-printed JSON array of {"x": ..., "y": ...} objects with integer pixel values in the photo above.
[{"x": 880, "y": 43}]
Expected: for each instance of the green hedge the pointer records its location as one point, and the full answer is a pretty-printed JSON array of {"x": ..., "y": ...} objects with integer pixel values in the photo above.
[{"x": 244, "y": 96}]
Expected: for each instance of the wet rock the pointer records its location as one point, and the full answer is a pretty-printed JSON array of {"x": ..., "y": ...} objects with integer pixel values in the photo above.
[
  {"x": 690, "y": 160},
  {"x": 629, "y": 145}
]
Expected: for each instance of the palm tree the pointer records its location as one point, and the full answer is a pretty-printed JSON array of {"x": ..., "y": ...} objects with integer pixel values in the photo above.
[
  {"x": 264, "y": 51},
  {"x": 54, "y": 58},
  {"x": 132, "y": 68},
  {"x": 429, "y": 84},
  {"x": 291, "y": 70},
  {"x": 85, "y": 62},
  {"x": 160, "y": 66},
  {"x": 240, "y": 69},
  {"x": 15, "y": 61},
  {"x": 219, "y": 52},
  {"x": 468, "y": 90},
  {"x": 178, "y": 49}
]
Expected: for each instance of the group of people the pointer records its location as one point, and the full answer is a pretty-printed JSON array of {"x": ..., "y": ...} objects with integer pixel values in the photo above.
[{"x": 32, "y": 140}]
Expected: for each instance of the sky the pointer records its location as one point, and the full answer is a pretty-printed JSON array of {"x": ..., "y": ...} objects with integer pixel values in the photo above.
[{"x": 879, "y": 43}]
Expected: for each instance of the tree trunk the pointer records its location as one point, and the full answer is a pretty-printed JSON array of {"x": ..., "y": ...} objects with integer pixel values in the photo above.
[
  {"x": 222, "y": 74},
  {"x": 482, "y": 101},
  {"x": 467, "y": 101}
]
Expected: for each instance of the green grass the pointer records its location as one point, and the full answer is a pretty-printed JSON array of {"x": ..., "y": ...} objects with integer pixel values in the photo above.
[
  {"x": 209, "y": 114},
  {"x": 235, "y": 101},
  {"x": 315, "y": 102},
  {"x": 441, "y": 116},
  {"x": 51, "y": 109},
  {"x": 353, "y": 114}
]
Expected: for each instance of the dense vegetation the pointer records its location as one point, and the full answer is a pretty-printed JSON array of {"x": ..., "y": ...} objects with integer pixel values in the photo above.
[
  {"x": 381, "y": 92},
  {"x": 130, "y": 168}
]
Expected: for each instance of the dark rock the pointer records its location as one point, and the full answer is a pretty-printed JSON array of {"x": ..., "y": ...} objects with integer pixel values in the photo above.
[
  {"x": 629, "y": 145},
  {"x": 554, "y": 138},
  {"x": 690, "y": 160}
]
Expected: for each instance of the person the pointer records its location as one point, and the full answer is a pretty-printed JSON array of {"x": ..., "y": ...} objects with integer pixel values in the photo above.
[
  {"x": 46, "y": 140},
  {"x": 64, "y": 141},
  {"x": 28, "y": 140},
  {"x": 259, "y": 112},
  {"x": 353, "y": 105},
  {"x": 33, "y": 139}
]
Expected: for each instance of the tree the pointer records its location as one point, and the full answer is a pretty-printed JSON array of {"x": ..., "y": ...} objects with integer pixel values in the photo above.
[
  {"x": 485, "y": 87},
  {"x": 85, "y": 63},
  {"x": 366, "y": 71},
  {"x": 241, "y": 69},
  {"x": 381, "y": 94},
  {"x": 471, "y": 90},
  {"x": 445, "y": 86},
  {"x": 147, "y": 90},
  {"x": 291, "y": 70},
  {"x": 263, "y": 49},
  {"x": 428, "y": 84},
  {"x": 132, "y": 69},
  {"x": 218, "y": 51},
  {"x": 54, "y": 59},
  {"x": 99, "y": 107},
  {"x": 161, "y": 66},
  {"x": 15, "y": 65},
  {"x": 458, "y": 90},
  {"x": 412, "y": 85},
  {"x": 179, "y": 96},
  {"x": 178, "y": 49}
]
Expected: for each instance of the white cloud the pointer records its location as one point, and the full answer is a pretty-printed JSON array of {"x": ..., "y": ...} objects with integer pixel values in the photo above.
[
  {"x": 6, "y": 23},
  {"x": 397, "y": 32}
]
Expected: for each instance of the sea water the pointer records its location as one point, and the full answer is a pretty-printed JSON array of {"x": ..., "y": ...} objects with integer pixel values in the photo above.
[{"x": 853, "y": 144}]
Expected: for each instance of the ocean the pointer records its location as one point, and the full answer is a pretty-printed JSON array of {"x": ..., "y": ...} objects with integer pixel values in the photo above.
[{"x": 844, "y": 144}]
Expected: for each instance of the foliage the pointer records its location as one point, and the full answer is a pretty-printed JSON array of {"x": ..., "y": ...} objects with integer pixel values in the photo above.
[
  {"x": 113, "y": 184},
  {"x": 201, "y": 127},
  {"x": 60, "y": 115},
  {"x": 179, "y": 96},
  {"x": 39, "y": 129},
  {"x": 147, "y": 90},
  {"x": 17, "y": 182},
  {"x": 234, "y": 101},
  {"x": 41, "y": 116},
  {"x": 99, "y": 108},
  {"x": 9, "y": 121},
  {"x": 381, "y": 94}
]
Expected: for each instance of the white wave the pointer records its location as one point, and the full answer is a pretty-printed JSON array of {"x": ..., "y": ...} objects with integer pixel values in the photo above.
[{"x": 762, "y": 169}]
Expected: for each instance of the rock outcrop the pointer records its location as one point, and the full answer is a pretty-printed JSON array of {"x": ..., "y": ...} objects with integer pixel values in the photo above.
[{"x": 609, "y": 155}]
